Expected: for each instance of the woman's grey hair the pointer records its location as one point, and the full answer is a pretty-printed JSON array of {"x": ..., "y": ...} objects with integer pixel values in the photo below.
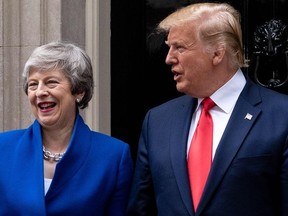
[
  {"x": 218, "y": 24},
  {"x": 69, "y": 58}
]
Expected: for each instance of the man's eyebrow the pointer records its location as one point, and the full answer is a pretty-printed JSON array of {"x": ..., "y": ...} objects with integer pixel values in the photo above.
[{"x": 172, "y": 43}]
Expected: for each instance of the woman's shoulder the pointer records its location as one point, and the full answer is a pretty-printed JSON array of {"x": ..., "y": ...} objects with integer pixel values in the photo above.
[
  {"x": 110, "y": 147},
  {"x": 12, "y": 134},
  {"x": 10, "y": 139},
  {"x": 107, "y": 140}
]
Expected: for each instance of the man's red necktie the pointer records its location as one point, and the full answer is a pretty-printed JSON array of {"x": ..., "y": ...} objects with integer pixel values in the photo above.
[{"x": 200, "y": 152}]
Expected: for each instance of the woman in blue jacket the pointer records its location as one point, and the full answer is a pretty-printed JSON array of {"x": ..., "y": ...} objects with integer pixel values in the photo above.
[{"x": 58, "y": 166}]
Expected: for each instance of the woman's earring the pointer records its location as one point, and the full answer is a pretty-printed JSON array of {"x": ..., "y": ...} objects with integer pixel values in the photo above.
[{"x": 78, "y": 100}]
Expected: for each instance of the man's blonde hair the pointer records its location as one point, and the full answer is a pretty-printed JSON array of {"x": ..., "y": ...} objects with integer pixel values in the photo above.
[{"x": 217, "y": 24}]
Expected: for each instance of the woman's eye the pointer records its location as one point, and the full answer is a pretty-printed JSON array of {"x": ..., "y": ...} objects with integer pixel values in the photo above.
[
  {"x": 52, "y": 83},
  {"x": 32, "y": 86}
]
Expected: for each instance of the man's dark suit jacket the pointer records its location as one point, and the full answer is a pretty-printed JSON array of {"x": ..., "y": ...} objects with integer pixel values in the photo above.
[{"x": 249, "y": 174}]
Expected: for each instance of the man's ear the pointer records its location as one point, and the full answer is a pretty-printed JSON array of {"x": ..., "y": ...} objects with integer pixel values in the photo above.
[{"x": 218, "y": 55}]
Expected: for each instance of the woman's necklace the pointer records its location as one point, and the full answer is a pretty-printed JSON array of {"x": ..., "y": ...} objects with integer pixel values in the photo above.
[{"x": 52, "y": 156}]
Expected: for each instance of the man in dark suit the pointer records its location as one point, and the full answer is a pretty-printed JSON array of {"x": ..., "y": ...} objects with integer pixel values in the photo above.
[{"x": 249, "y": 170}]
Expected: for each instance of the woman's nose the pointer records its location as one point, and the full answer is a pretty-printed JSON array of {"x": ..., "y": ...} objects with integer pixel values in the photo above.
[{"x": 42, "y": 91}]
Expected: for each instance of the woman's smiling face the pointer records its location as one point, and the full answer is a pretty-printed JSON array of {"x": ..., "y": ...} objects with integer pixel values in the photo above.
[{"x": 52, "y": 102}]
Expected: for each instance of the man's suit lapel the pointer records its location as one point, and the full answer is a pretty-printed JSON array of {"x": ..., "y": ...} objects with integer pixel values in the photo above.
[
  {"x": 243, "y": 117},
  {"x": 178, "y": 143}
]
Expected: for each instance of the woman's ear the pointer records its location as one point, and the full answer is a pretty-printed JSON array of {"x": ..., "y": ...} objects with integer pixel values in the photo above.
[{"x": 79, "y": 96}]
